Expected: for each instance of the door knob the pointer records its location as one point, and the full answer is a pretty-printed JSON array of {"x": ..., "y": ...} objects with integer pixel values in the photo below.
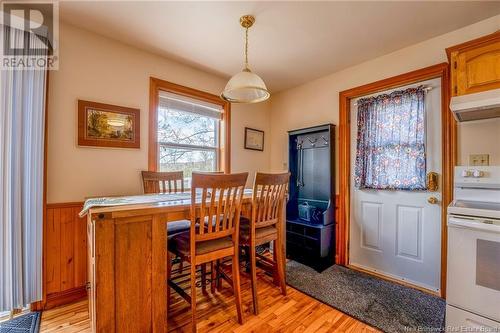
[{"x": 432, "y": 200}]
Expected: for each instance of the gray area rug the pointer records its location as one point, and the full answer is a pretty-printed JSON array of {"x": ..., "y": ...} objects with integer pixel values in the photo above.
[
  {"x": 28, "y": 323},
  {"x": 385, "y": 305}
]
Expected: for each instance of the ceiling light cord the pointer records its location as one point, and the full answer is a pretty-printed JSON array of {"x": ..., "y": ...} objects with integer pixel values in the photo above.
[{"x": 246, "y": 50}]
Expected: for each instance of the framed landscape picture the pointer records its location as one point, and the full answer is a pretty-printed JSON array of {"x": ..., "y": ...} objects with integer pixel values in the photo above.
[
  {"x": 254, "y": 139},
  {"x": 105, "y": 125}
]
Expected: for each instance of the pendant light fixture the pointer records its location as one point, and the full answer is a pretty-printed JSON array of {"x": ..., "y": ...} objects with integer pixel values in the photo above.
[{"x": 245, "y": 87}]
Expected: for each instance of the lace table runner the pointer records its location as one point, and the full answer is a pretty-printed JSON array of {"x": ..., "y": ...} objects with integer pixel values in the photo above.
[
  {"x": 132, "y": 200},
  {"x": 139, "y": 200}
]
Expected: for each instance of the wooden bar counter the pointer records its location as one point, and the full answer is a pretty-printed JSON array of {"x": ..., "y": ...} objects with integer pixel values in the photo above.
[{"x": 128, "y": 263}]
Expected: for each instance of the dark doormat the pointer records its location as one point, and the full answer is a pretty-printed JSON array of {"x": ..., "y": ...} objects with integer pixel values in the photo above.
[
  {"x": 385, "y": 305},
  {"x": 28, "y": 323}
]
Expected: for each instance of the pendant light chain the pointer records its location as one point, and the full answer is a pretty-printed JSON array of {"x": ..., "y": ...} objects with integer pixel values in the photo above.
[{"x": 246, "y": 49}]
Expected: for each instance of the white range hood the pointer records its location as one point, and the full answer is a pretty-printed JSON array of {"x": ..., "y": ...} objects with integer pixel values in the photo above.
[{"x": 482, "y": 105}]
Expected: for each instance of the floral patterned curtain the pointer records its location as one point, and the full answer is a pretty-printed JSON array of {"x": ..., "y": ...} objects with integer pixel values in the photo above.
[{"x": 391, "y": 141}]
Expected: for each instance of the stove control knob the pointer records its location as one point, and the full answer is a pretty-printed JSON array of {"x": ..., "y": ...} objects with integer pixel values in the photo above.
[
  {"x": 466, "y": 173},
  {"x": 477, "y": 174}
]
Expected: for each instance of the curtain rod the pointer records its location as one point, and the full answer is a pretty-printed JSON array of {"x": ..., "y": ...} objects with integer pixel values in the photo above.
[{"x": 426, "y": 89}]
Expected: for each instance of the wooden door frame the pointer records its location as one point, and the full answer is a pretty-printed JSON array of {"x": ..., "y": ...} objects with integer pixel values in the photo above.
[
  {"x": 157, "y": 85},
  {"x": 449, "y": 152},
  {"x": 40, "y": 305}
]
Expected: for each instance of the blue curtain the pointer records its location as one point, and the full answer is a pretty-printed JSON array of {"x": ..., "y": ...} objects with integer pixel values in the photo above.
[{"x": 391, "y": 141}]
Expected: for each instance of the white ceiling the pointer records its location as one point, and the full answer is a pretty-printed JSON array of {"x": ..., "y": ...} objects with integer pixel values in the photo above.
[{"x": 291, "y": 42}]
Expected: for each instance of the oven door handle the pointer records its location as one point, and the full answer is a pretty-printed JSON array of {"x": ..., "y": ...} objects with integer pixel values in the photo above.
[{"x": 473, "y": 223}]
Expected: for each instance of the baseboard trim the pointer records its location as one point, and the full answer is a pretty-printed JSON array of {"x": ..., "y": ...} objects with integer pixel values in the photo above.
[{"x": 65, "y": 297}]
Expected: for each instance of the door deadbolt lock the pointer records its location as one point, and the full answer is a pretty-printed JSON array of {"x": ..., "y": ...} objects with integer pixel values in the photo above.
[{"x": 432, "y": 181}]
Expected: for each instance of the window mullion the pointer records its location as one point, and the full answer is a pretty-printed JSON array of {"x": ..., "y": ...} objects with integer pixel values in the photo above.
[{"x": 184, "y": 146}]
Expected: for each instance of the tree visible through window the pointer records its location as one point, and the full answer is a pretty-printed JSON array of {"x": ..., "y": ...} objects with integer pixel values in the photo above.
[{"x": 188, "y": 135}]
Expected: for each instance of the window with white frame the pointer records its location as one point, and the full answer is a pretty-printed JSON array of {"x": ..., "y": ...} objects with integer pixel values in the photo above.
[{"x": 189, "y": 134}]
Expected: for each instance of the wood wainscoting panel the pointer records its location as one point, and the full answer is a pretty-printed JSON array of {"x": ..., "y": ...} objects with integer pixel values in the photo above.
[
  {"x": 65, "y": 253},
  {"x": 52, "y": 248}
]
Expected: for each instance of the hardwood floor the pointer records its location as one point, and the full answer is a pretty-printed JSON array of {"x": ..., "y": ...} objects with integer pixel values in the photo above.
[
  {"x": 296, "y": 312},
  {"x": 66, "y": 318}
]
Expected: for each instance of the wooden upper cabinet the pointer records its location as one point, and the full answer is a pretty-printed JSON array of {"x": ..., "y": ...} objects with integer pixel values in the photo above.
[{"x": 475, "y": 65}]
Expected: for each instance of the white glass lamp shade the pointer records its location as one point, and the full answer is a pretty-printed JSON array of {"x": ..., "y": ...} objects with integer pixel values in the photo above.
[{"x": 245, "y": 87}]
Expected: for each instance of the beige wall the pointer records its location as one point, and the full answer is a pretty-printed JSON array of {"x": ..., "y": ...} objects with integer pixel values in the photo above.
[
  {"x": 99, "y": 69},
  {"x": 479, "y": 137},
  {"x": 96, "y": 68},
  {"x": 316, "y": 102}
]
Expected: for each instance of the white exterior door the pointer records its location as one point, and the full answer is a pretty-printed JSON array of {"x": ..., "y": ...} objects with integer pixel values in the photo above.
[{"x": 398, "y": 233}]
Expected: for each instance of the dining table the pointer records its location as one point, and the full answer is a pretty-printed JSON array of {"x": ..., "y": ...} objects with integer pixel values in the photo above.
[{"x": 127, "y": 257}]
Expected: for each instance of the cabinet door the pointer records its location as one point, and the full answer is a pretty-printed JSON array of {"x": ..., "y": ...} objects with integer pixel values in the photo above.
[
  {"x": 476, "y": 70},
  {"x": 91, "y": 271}
]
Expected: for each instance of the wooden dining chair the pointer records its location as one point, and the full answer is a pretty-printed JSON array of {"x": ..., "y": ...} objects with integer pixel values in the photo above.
[
  {"x": 216, "y": 201},
  {"x": 163, "y": 182},
  {"x": 167, "y": 182},
  {"x": 264, "y": 226}
]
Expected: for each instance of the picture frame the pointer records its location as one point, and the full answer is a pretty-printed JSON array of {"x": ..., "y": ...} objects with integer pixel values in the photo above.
[
  {"x": 106, "y": 125},
  {"x": 254, "y": 139}
]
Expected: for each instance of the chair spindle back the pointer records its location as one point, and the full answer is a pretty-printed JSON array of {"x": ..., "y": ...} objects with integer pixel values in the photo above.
[
  {"x": 219, "y": 213},
  {"x": 163, "y": 182},
  {"x": 269, "y": 192}
]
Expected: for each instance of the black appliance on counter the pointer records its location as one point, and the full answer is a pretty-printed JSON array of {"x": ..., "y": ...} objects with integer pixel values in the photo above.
[{"x": 310, "y": 223}]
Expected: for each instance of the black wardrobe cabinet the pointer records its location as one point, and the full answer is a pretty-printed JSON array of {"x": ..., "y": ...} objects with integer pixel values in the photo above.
[{"x": 310, "y": 223}]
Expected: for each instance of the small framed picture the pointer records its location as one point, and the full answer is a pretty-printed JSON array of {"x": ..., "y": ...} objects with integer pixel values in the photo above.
[
  {"x": 105, "y": 125},
  {"x": 254, "y": 139}
]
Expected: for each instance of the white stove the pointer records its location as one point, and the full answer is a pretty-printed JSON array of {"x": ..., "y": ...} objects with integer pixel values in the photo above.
[{"x": 473, "y": 271}]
